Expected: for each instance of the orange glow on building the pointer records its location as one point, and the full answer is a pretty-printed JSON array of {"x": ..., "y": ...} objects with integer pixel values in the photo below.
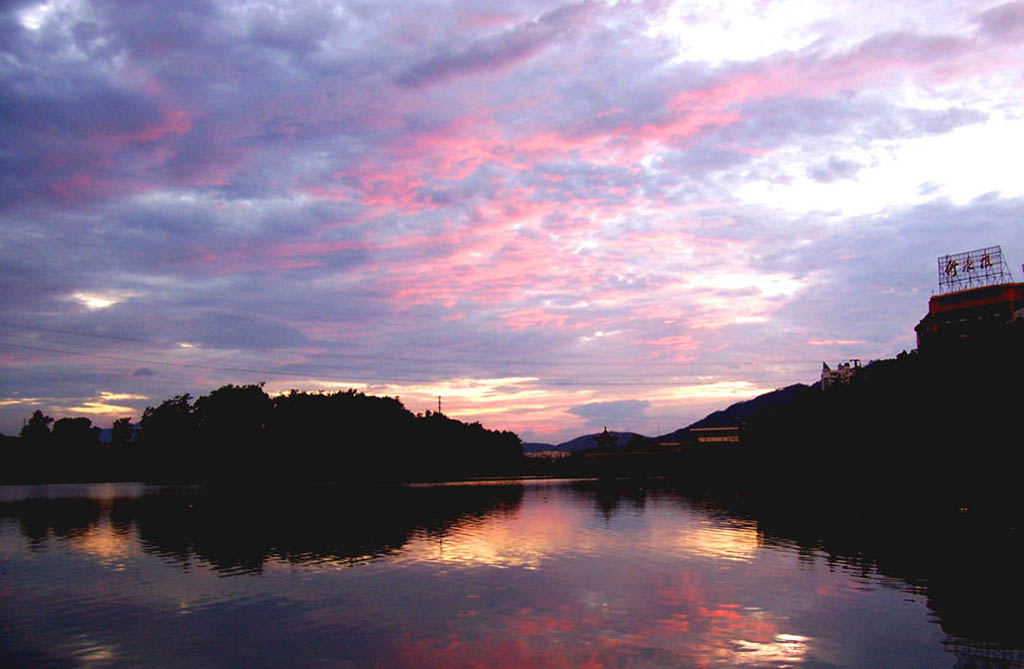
[{"x": 970, "y": 316}]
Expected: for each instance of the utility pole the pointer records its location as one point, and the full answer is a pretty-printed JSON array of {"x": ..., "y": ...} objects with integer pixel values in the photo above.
[{"x": 438, "y": 404}]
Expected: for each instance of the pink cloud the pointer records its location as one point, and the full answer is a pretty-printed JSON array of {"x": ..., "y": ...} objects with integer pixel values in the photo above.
[
  {"x": 76, "y": 187},
  {"x": 474, "y": 18},
  {"x": 678, "y": 347},
  {"x": 533, "y": 318},
  {"x": 173, "y": 122}
]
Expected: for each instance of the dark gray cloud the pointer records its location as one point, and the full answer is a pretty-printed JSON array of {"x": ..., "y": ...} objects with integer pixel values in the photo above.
[
  {"x": 82, "y": 107},
  {"x": 832, "y": 169},
  {"x": 495, "y": 51},
  {"x": 216, "y": 329},
  {"x": 905, "y": 46},
  {"x": 615, "y": 415},
  {"x": 1004, "y": 22}
]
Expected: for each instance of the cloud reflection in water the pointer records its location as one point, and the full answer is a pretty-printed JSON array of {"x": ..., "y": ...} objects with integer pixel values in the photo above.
[{"x": 538, "y": 574}]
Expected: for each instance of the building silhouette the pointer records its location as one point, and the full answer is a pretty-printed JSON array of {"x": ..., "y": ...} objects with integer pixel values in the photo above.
[
  {"x": 979, "y": 306},
  {"x": 842, "y": 374}
]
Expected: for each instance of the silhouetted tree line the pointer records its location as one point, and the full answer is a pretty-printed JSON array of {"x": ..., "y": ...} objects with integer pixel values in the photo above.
[
  {"x": 239, "y": 433},
  {"x": 70, "y": 450}
]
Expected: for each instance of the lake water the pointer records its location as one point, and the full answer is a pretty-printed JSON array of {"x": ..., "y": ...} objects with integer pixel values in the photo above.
[{"x": 535, "y": 573}]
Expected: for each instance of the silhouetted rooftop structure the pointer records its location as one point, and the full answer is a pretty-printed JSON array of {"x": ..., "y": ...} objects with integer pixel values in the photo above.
[
  {"x": 978, "y": 306},
  {"x": 975, "y": 316}
]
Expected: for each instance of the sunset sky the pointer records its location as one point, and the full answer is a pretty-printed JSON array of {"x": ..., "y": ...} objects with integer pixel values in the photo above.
[{"x": 557, "y": 217}]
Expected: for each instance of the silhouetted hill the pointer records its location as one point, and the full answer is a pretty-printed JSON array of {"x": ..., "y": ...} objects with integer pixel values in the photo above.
[
  {"x": 920, "y": 431},
  {"x": 739, "y": 412},
  {"x": 732, "y": 415},
  {"x": 582, "y": 443}
]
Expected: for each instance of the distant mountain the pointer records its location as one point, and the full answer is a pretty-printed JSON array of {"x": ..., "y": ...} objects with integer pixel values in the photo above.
[
  {"x": 581, "y": 443},
  {"x": 733, "y": 415},
  {"x": 739, "y": 412}
]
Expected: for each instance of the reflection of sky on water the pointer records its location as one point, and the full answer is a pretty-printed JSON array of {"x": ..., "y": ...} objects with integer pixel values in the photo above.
[
  {"x": 561, "y": 578},
  {"x": 95, "y": 491},
  {"x": 543, "y": 531},
  {"x": 106, "y": 545},
  {"x": 528, "y": 539},
  {"x": 719, "y": 541}
]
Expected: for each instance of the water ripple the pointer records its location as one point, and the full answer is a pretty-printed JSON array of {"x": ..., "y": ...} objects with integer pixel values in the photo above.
[{"x": 563, "y": 574}]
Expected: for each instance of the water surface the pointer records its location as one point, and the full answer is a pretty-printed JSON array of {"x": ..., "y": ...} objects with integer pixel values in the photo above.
[{"x": 542, "y": 573}]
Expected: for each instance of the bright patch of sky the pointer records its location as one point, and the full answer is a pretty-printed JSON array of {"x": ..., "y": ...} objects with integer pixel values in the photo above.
[
  {"x": 34, "y": 17},
  {"x": 722, "y": 31},
  {"x": 718, "y": 31},
  {"x": 93, "y": 301},
  {"x": 960, "y": 165}
]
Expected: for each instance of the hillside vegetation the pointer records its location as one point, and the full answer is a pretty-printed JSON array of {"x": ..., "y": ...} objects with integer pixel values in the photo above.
[{"x": 239, "y": 433}]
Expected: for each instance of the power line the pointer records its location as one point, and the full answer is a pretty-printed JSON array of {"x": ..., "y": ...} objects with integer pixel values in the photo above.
[
  {"x": 74, "y": 333},
  {"x": 463, "y": 355},
  {"x": 441, "y": 368},
  {"x": 204, "y": 367},
  {"x": 80, "y": 347},
  {"x": 576, "y": 362},
  {"x": 362, "y": 377}
]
